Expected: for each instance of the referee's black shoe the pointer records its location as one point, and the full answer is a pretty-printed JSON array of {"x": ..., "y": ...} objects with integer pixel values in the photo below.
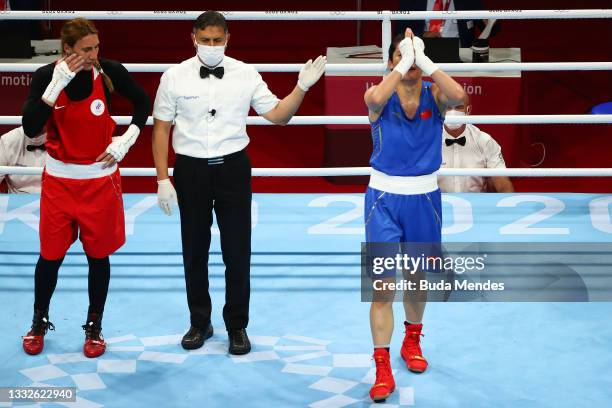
[
  {"x": 195, "y": 337},
  {"x": 238, "y": 341}
]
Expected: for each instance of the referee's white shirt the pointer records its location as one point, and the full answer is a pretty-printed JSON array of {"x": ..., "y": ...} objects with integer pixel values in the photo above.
[
  {"x": 13, "y": 152},
  {"x": 188, "y": 100},
  {"x": 480, "y": 151}
]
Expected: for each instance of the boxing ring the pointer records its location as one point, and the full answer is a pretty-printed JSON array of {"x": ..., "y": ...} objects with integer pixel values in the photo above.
[{"x": 309, "y": 327}]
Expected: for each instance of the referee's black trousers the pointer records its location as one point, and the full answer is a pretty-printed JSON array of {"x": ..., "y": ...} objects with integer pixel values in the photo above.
[{"x": 204, "y": 185}]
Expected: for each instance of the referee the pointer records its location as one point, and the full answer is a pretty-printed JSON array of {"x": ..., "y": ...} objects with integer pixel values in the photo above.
[
  {"x": 464, "y": 146},
  {"x": 16, "y": 149},
  {"x": 207, "y": 99}
]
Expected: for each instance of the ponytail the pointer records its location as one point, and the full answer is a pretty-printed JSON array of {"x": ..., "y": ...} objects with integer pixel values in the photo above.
[{"x": 107, "y": 81}]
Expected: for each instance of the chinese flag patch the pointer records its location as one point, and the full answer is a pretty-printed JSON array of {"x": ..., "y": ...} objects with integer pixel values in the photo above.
[{"x": 426, "y": 114}]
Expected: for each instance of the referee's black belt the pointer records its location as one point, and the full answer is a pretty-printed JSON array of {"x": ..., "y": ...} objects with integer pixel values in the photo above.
[{"x": 214, "y": 161}]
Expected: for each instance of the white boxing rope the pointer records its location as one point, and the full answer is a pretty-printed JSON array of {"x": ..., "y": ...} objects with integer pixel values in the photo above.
[
  {"x": 361, "y": 171},
  {"x": 529, "y": 172},
  {"x": 379, "y": 68},
  {"x": 530, "y": 119},
  {"x": 512, "y": 172},
  {"x": 267, "y": 172},
  {"x": 363, "y": 120},
  {"x": 285, "y": 15},
  {"x": 295, "y": 67},
  {"x": 313, "y": 120}
]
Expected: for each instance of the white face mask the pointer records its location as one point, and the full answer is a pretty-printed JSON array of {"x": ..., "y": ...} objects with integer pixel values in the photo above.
[
  {"x": 211, "y": 55},
  {"x": 453, "y": 112},
  {"x": 36, "y": 141}
]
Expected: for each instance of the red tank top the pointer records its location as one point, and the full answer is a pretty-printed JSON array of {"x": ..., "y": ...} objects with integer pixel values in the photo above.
[{"x": 79, "y": 131}]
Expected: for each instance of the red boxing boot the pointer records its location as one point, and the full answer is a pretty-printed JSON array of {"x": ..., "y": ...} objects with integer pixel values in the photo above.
[
  {"x": 94, "y": 345},
  {"x": 34, "y": 341},
  {"x": 411, "y": 348},
  {"x": 384, "y": 384}
]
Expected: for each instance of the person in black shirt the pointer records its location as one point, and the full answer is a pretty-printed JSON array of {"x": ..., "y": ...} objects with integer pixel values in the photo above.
[
  {"x": 36, "y": 112},
  {"x": 466, "y": 28}
]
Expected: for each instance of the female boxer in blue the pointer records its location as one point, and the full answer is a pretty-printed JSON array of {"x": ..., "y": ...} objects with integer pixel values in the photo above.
[{"x": 402, "y": 202}]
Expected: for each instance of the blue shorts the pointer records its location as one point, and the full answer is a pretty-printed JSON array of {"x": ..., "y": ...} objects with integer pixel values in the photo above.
[
  {"x": 400, "y": 218},
  {"x": 403, "y": 218}
]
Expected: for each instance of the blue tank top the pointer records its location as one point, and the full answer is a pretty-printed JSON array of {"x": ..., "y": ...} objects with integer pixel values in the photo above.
[{"x": 408, "y": 147}]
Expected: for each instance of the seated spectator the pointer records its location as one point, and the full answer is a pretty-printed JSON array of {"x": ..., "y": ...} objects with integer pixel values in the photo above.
[
  {"x": 464, "y": 29},
  {"x": 466, "y": 146},
  {"x": 18, "y": 150}
]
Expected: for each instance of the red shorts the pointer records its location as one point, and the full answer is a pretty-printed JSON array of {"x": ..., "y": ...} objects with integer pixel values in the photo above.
[{"x": 89, "y": 208}]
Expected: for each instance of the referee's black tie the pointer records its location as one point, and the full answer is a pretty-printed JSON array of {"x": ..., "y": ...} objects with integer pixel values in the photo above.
[
  {"x": 205, "y": 72},
  {"x": 31, "y": 148},
  {"x": 458, "y": 140}
]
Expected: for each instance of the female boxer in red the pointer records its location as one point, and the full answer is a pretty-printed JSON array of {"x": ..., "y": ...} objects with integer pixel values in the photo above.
[{"x": 81, "y": 188}]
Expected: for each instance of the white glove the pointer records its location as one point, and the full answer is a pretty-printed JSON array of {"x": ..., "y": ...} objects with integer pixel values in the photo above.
[
  {"x": 166, "y": 195},
  {"x": 311, "y": 72},
  {"x": 422, "y": 61},
  {"x": 62, "y": 76},
  {"x": 407, "y": 50},
  {"x": 120, "y": 145}
]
